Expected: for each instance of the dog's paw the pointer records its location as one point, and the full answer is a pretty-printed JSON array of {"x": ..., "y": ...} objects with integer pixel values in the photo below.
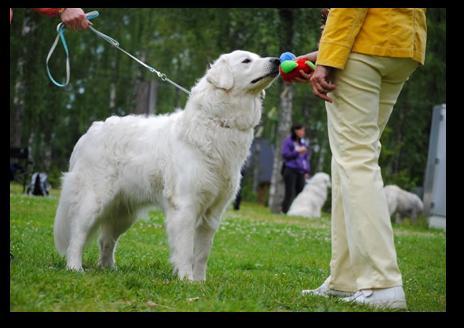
[
  {"x": 199, "y": 276},
  {"x": 106, "y": 266},
  {"x": 199, "y": 279},
  {"x": 185, "y": 275},
  {"x": 75, "y": 268}
]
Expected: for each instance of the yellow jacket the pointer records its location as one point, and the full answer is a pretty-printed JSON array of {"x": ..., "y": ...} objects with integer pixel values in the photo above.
[{"x": 388, "y": 32}]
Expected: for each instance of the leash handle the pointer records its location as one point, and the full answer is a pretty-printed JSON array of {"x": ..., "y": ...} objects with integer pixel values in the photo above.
[
  {"x": 60, "y": 28},
  {"x": 92, "y": 14}
]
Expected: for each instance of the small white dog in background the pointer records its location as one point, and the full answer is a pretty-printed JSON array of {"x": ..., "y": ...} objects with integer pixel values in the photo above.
[
  {"x": 402, "y": 203},
  {"x": 311, "y": 199},
  {"x": 187, "y": 162}
]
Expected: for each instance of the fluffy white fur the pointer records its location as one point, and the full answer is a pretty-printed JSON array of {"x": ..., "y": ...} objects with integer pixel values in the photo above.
[
  {"x": 187, "y": 162},
  {"x": 311, "y": 199},
  {"x": 402, "y": 203}
]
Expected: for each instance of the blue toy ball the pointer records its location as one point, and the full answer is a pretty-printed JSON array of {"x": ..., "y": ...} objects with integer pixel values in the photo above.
[{"x": 287, "y": 56}]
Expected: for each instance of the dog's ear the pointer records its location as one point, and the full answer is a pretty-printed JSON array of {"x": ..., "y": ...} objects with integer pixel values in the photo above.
[{"x": 220, "y": 75}]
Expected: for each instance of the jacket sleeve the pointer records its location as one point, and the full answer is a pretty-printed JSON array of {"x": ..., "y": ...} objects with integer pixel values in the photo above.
[
  {"x": 49, "y": 11},
  {"x": 288, "y": 150},
  {"x": 340, "y": 31}
]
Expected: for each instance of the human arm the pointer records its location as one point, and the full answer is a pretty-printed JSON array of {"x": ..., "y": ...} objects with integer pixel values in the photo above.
[
  {"x": 312, "y": 56},
  {"x": 288, "y": 150},
  {"x": 51, "y": 12},
  {"x": 73, "y": 18},
  {"x": 338, "y": 36},
  {"x": 340, "y": 31}
]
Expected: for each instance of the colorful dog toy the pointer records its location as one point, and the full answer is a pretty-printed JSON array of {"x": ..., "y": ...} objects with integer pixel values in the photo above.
[{"x": 290, "y": 66}]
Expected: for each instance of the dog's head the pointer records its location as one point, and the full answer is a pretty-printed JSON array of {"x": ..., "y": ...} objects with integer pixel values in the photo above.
[
  {"x": 243, "y": 71},
  {"x": 322, "y": 179}
]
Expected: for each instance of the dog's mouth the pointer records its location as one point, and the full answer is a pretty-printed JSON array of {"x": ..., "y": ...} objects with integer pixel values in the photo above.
[{"x": 271, "y": 74}]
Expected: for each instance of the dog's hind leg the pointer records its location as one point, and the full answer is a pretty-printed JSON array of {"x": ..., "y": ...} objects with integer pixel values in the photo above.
[
  {"x": 83, "y": 225},
  {"x": 398, "y": 218},
  {"x": 414, "y": 216},
  {"x": 112, "y": 228}
]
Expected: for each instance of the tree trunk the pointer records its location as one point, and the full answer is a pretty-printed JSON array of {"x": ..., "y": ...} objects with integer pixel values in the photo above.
[
  {"x": 146, "y": 97},
  {"x": 154, "y": 84},
  {"x": 322, "y": 153},
  {"x": 277, "y": 190},
  {"x": 47, "y": 152},
  {"x": 16, "y": 116},
  {"x": 112, "y": 97},
  {"x": 17, "y": 112}
]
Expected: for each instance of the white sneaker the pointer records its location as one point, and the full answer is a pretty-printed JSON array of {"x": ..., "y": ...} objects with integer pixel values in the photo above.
[
  {"x": 325, "y": 291},
  {"x": 391, "y": 298}
]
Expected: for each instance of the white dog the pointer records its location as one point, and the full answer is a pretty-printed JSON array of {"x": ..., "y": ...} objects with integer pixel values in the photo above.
[
  {"x": 186, "y": 162},
  {"x": 402, "y": 203},
  {"x": 311, "y": 199}
]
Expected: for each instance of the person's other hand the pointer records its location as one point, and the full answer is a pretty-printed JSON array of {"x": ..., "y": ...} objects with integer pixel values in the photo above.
[
  {"x": 321, "y": 81},
  {"x": 75, "y": 19}
]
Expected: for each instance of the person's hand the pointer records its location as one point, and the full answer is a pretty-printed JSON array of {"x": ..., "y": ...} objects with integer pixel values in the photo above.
[
  {"x": 322, "y": 82},
  {"x": 305, "y": 78},
  {"x": 301, "y": 149},
  {"x": 75, "y": 19}
]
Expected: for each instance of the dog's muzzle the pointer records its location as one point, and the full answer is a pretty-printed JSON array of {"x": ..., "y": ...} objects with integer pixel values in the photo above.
[{"x": 275, "y": 62}]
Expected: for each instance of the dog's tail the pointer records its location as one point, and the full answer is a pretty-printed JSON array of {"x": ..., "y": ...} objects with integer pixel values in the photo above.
[{"x": 63, "y": 218}]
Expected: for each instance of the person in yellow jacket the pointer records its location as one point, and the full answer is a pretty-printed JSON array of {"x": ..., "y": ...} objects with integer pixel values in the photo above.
[{"x": 365, "y": 56}]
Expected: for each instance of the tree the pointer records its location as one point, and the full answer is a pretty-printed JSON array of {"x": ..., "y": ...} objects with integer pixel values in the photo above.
[{"x": 277, "y": 190}]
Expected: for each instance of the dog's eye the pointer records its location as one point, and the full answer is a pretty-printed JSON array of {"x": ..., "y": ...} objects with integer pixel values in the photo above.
[{"x": 246, "y": 61}]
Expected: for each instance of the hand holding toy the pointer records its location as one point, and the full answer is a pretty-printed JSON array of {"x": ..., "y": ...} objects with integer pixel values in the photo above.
[{"x": 290, "y": 66}]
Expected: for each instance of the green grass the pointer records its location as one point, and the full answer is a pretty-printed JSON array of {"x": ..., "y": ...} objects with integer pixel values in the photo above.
[{"x": 259, "y": 262}]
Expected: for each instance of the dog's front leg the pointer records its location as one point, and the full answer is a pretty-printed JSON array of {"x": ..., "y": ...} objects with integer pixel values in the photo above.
[{"x": 181, "y": 229}]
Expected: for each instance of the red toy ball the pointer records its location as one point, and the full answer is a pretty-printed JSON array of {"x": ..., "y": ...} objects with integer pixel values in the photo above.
[
  {"x": 301, "y": 64},
  {"x": 290, "y": 66}
]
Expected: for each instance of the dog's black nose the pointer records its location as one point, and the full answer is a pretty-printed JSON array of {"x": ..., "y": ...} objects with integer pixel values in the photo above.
[{"x": 275, "y": 61}]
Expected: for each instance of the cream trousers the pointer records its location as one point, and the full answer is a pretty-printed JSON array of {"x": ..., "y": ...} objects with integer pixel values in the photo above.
[{"x": 363, "y": 250}]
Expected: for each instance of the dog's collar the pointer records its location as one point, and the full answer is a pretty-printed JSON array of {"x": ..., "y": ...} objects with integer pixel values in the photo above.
[{"x": 221, "y": 123}]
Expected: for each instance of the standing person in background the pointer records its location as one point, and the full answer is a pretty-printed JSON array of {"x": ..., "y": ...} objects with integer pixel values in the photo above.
[
  {"x": 73, "y": 18},
  {"x": 295, "y": 170},
  {"x": 365, "y": 56}
]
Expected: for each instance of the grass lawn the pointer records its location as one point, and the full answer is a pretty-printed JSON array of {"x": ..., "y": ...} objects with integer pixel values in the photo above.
[{"x": 259, "y": 262}]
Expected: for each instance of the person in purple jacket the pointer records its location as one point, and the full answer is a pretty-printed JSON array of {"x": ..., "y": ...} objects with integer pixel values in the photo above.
[{"x": 295, "y": 152}]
